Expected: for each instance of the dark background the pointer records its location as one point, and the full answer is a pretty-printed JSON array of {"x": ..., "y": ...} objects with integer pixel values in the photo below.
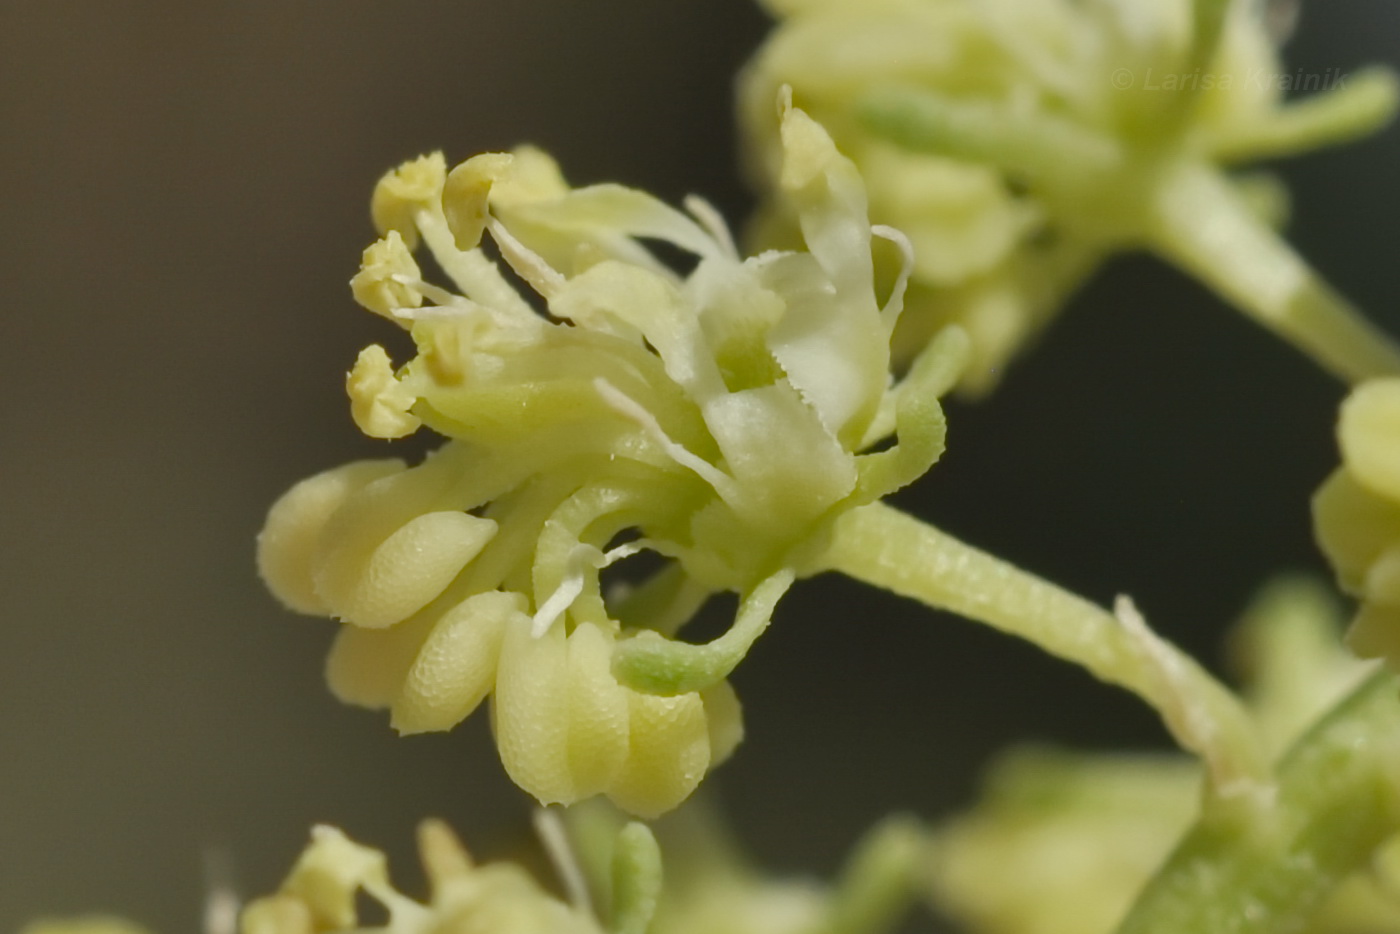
[{"x": 184, "y": 192}]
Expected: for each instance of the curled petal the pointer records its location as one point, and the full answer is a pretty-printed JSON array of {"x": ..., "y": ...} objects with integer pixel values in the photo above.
[
  {"x": 726, "y": 720},
  {"x": 456, "y": 667},
  {"x": 290, "y": 543},
  {"x": 788, "y": 465},
  {"x": 599, "y": 213},
  {"x": 652, "y": 663},
  {"x": 919, "y": 419},
  {"x": 654, "y": 307},
  {"x": 835, "y": 352},
  {"x": 368, "y": 667},
  {"x": 668, "y": 754},
  {"x": 407, "y": 570},
  {"x": 530, "y": 712},
  {"x": 598, "y": 712}
]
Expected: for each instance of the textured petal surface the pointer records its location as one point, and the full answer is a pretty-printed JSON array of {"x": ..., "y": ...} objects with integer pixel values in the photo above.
[
  {"x": 367, "y": 667},
  {"x": 668, "y": 756},
  {"x": 598, "y": 712},
  {"x": 290, "y": 543},
  {"x": 530, "y": 711},
  {"x": 456, "y": 667},
  {"x": 410, "y": 568}
]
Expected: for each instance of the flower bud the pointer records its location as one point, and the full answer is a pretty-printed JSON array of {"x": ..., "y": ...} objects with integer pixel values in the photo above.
[{"x": 1357, "y": 516}]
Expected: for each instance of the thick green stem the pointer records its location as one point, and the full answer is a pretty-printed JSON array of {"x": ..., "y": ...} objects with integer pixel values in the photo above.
[
  {"x": 897, "y": 552},
  {"x": 1338, "y": 799},
  {"x": 1200, "y": 223}
]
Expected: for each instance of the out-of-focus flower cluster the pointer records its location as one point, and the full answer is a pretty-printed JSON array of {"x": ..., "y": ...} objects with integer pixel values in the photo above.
[
  {"x": 320, "y": 894},
  {"x": 1018, "y": 142},
  {"x": 712, "y": 887},
  {"x": 1062, "y": 842},
  {"x": 714, "y": 418},
  {"x": 1357, "y": 514}
]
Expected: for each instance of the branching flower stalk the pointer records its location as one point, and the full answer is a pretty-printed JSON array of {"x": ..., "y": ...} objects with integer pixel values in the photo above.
[
  {"x": 897, "y": 552},
  {"x": 1020, "y": 142},
  {"x": 1338, "y": 800}
]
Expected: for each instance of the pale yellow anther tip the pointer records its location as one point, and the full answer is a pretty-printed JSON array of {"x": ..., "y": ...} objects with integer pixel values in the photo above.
[
  {"x": 466, "y": 195},
  {"x": 403, "y": 191},
  {"x": 377, "y": 285},
  {"x": 445, "y": 858},
  {"x": 379, "y": 403}
]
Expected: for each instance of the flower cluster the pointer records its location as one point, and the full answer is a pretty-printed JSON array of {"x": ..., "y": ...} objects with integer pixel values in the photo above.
[
  {"x": 714, "y": 418},
  {"x": 1357, "y": 516},
  {"x": 1018, "y": 142},
  {"x": 319, "y": 895}
]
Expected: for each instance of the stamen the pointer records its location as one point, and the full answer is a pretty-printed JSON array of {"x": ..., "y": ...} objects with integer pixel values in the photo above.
[
  {"x": 429, "y": 291},
  {"x": 470, "y": 270},
  {"x": 555, "y": 839},
  {"x": 222, "y": 904},
  {"x": 527, "y": 264},
  {"x": 580, "y": 560},
  {"x": 713, "y": 222},
  {"x": 451, "y": 306},
  {"x": 624, "y": 404},
  {"x": 564, "y": 595}
]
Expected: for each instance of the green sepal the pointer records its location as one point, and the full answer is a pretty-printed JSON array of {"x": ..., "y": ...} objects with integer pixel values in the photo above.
[
  {"x": 636, "y": 880},
  {"x": 651, "y": 663}
]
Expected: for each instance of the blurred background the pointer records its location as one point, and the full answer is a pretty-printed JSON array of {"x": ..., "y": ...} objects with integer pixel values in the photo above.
[{"x": 184, "y": 190}]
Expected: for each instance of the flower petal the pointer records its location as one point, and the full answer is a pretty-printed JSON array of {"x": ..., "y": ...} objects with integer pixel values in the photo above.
[
  {"x": 669, "y": 752},
  {"x": 290, "y": 543},
  {"x": 530, "y": 712},
  {"x": 456, "y": 667},
  {"x": 598, "y": 712}
]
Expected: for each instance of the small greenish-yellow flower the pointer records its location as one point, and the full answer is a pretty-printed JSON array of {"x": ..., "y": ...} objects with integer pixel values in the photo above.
[
  {"x": 1061, "y": 842},
  {"x": 712, "y": 887},
  {"x": 715, "y": 418},
  {"x": 1357, "y": 516},
  {"x": 92, "y": 924},
  {"x": 1019, "y": 142},
  {"x": 321, "y": 894}
]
